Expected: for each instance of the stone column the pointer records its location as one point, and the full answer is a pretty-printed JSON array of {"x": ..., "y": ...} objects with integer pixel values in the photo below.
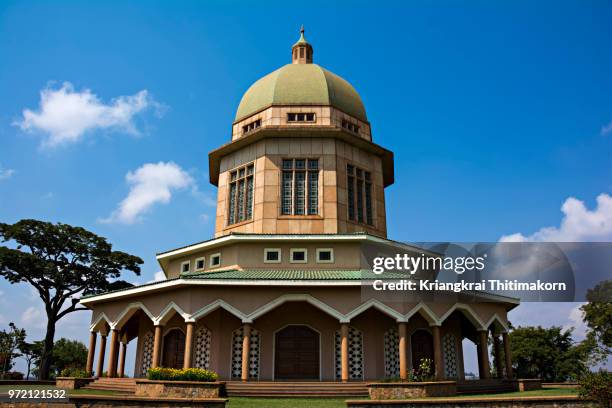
[
  {"x": 157, "y": 340},
  {"x": 403, "y": 348},
  {"x": 344, "y": 340},
  {"x": 112, "y": 358},
  {"x": 100, "y": 367},
  {"x": 188, "y": 344},
  {"x": 91, "y": 352},
  {"x": 485, "y": 371},
  {"x": 122, "y": 351},
  {"x": 437, "y": 346},
  {"x": 246, "y": 347},
  {"x": 497, "y": 353},
  {"x": 508, "y": 354}
]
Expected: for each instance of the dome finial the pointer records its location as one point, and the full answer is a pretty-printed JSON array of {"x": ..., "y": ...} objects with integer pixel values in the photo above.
[{"x": 302, "y": 50}]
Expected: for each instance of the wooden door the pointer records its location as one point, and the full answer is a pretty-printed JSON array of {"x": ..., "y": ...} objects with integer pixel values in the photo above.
[
  {"x": 296, "y": 354},
  {"x": 174, "y": 349},
  {"x": 422, "y": 347}
]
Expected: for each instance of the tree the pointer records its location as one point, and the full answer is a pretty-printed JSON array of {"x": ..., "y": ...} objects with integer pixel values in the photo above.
[
  {"x": 9, "y": 345},
  {"x": 61, "y": 262},
  {"x": 31, "y": 353},
  {"x": 68, "y": 354},
  {"x": 598, "y": 313},
  {"x": 550, "y": 354}
]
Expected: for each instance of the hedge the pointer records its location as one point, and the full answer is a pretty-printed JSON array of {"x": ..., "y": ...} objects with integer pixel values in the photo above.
[{"x": 184, "y": 374}]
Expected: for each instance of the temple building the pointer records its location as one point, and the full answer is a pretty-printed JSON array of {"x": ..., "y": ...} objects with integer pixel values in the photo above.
[{"x": 278, "y": 293}]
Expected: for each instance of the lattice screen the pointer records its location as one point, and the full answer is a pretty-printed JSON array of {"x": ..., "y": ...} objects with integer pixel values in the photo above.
[
  {"x": 355, "y": 349},
  {"x": 202, "y": 348},
  {"x": 147, "y": 354},
  {"x": 237, "y": 354},
  {"x": 391, "y": 353},
  {"x": 449, "y": 351}
]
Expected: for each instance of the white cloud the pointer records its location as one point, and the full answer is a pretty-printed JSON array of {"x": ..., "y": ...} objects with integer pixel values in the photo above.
[
  {"x": 6, "y": 173},
  {"x": 204, "y": 218},
  {"x": 575, "y": 320},
  {"x": 150, "y": 184},
  {"x": 33, "y": 317},
  {"x": 579, "y": 224},
  {"x": 606, "y": 129},
  {"x": 159, "y": 276},
  {"x": 65, "y": 115}
]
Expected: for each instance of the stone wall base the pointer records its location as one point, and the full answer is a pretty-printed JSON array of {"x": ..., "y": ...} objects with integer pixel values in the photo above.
[
  {"x": 507, "y": 402},
  {"x": 108, "y": 401}
]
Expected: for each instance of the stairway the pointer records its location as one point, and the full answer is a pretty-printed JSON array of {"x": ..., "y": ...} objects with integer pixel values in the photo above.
[
  {"x": 295, "y": 389},
  {"x": 486, "y": 386},
  {"x": 119, "y": 385}
]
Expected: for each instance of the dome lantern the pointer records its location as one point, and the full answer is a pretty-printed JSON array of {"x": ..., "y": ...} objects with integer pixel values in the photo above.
[{"x": 301, "y": 52}]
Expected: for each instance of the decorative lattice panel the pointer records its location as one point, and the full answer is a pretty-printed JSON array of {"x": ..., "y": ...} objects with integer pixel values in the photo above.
[
  {"x": 202, "y": 348},
  {"x": 237, "y": 354},
  {"x": 391, "y": 353},
  {"x": 449, "y": 351},
  {"x": 355, "y": 355},
  {"x": 147, "y": 353}
]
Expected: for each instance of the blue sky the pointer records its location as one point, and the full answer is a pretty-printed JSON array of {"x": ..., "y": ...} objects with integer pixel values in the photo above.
[{"x": 498, "y": 112}]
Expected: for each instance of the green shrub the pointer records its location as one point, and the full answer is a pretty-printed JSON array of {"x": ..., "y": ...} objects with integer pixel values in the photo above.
[
  {"x": 597, "y": 387},
  {"x": 74, "y": 372},
  {"x": 184, "y": 374}
]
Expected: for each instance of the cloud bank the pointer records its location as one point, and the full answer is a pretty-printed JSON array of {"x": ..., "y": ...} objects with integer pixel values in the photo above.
[
  {"x": 150, "y": 184},
  {"x": 65, "y": 116},
  {"x": 579, "y": 224}
]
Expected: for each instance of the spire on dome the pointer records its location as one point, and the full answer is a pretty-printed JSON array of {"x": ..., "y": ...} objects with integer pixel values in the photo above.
[{"x": 302, "y": 50}]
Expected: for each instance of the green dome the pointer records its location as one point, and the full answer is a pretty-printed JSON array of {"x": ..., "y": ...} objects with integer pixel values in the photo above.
[{"x": 301, "y": 84}]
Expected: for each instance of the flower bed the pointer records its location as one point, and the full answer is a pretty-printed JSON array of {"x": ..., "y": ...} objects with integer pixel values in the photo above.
[
  {"x": 406, "y": 390},
  {"x": 179, "y": 383},
  {"x": 178, "y": 389},
  {"x": 184, "y": 374}
]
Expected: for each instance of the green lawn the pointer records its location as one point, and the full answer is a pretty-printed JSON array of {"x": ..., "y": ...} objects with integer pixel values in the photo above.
[
  {"x": 251, "y": 402},
  {"x": 534, "y": 393}
]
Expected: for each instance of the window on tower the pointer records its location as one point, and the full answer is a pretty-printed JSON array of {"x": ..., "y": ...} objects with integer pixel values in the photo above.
[
  {"x": 359, "y": 195},
  {"x": 350, "y": 126},
  {"x": 249, "y": 127},
  {"x": 300, "y": 187},
  {"x": 240, "y": 201},
  {"x": 293, "y": 117}
]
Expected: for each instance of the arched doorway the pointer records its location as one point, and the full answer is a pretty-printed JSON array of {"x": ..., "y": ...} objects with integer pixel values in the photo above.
[
  {"x": 296, "y": 353},
  {"x": 174, "y": 349},
  {"x": 422, "y": 347}
]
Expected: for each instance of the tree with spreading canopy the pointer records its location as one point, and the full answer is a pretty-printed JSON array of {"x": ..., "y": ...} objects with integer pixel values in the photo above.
[{"x": 61, "y": 262}]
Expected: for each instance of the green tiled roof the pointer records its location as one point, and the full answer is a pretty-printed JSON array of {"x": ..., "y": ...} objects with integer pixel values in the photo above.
[{"x": 295, "y": 274}]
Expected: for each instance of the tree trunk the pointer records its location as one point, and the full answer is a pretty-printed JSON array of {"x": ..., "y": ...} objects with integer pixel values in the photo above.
[
  {"x": 28, "y": 374},
  {"x": 46, "y": 358}
]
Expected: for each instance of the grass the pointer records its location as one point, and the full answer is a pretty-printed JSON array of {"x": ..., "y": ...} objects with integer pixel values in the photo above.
[
  {"x": 253, "y": 402},
  {"x": 550, "y": 392}
]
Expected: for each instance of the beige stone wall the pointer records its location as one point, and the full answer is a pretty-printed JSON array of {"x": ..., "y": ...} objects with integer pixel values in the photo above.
[
  {"x": 251, "y": 256},
  {"x": 277, "y": 116},
  {"x": 333, "y": 155}
]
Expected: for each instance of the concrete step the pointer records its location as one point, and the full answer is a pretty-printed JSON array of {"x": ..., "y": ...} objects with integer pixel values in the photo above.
[{"x": 296, "y": 389}]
